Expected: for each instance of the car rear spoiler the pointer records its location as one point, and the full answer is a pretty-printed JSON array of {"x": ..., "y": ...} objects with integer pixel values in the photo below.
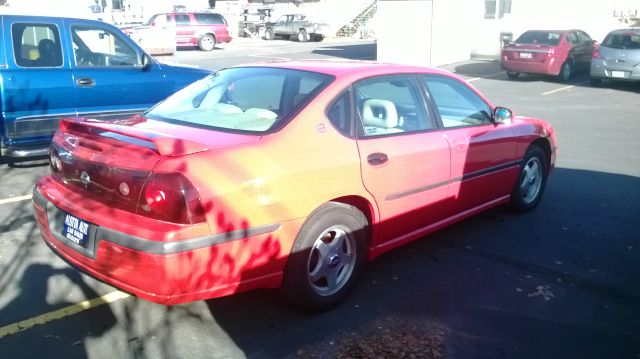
[{"x": 163, "y": 144}]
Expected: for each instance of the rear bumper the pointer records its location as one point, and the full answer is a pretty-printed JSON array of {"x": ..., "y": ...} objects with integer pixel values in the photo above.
[
  {"x": 550, "y": 66},
  {"x": 601, "y": 70},
  {"x": 167, "y": 272}
]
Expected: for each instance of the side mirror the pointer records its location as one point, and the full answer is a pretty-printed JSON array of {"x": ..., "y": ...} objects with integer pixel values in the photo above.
[
  {"x": 502, "y": 115},
  {"x": 146, "y": 62}
]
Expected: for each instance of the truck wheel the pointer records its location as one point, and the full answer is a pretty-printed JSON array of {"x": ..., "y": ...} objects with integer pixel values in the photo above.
[
  {"x": 303, "y": 36},
  {"x": 207, "y": 42},
  {"x": 268, "y": 34},
  {"x": 327, "y": 257}
]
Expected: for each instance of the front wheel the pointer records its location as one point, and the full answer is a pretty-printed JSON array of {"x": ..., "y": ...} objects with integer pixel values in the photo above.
[
  {"x": 207, "y": 43},
  {"x": 303, "y": 36},
  {"x": 528, "y": 189},
  {"x": 327, "y": 257}
]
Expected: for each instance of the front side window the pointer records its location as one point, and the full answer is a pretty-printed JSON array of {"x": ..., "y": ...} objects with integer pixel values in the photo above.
[
  {"x": 97, "y": 47},
  {"x": 457, "y": 104},
  {"x": 36, "y": 45},
  {"x": 390, "y": 105},
  {"x": 251, "y": 99}
]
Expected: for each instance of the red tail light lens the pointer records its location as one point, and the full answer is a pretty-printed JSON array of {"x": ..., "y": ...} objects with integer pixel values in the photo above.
[
  {"x": 596, "y": 54},
  {"x": 172, "y": 198}
]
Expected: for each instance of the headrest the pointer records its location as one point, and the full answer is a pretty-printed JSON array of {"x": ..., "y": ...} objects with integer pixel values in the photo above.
[{"x": 379, "y": 113}]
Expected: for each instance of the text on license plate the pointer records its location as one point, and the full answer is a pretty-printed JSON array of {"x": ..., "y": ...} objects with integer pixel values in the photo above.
[
  {"x": 75, "y": 230},
  {"x": 617, "y": 74},
  {"x": 525, "y": 55}
]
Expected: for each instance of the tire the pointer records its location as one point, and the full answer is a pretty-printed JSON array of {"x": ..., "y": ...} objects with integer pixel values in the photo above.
[
  {"x": 327, "y": 257},
  {"x": 268, "y": 34},
  {"x": 512, "y": 75},
  {"x": 565, "y": 71},
  {"x": 532, "y": 180},
  {"x": 207, "y": 42},
  {"x": 303, "y": 36}
]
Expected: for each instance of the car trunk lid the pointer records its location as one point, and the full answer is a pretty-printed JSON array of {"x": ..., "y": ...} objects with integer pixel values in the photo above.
[{"x": 528, "y": 52}]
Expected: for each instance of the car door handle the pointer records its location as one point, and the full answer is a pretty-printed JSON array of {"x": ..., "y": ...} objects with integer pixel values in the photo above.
[
  {"x": 85, "y": 82},
  {"x": 376, "y": 159}
]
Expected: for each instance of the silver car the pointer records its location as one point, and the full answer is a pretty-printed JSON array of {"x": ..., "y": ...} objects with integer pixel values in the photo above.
[{"x": 618, "y": 57}]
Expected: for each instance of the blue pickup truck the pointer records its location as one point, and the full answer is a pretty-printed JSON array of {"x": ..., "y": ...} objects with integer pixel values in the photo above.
[{"x": 51, "y": 68}]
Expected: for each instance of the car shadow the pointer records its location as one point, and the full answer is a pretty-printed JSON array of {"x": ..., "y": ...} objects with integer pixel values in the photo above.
[
  {"x": 367, "y": 51},
  {"x": 485, "y": 285}
]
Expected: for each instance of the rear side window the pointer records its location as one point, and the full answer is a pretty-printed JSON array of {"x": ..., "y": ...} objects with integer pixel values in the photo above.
[
  {"x": 539, "y": 37},
  {"x": 622, "y": 41},
  {"x": 339, "y": 113},
  {"x": 36, "y": 45},
  {"x": 209, "y": 19},
  {"x": 182, "y": 19}
]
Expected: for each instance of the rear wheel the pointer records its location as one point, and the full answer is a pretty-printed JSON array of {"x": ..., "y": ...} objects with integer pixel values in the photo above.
[
  {"x": 303, "y": 36},
  {"x": 327, "y": 257},
  {"x": 512, "y": 75},
  {"x": 565, "y": 71},
  {"x": 207, "y": 42},
  {"x": 268, "y": 34},
  {"x": 532, "y": 180}
]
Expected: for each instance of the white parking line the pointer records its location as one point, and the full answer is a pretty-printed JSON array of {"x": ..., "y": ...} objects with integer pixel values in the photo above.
[
  {"x": 562, "y": 88},
  {"x": 497, "y": 74},
  {"x": 14, "y": 199},
  {"x": 271, "y": 57}
]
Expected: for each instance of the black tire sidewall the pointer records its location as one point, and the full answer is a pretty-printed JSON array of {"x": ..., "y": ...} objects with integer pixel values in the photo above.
[
  {"x": 296, "y": 287},
  {"x": 517, "y": 203}
]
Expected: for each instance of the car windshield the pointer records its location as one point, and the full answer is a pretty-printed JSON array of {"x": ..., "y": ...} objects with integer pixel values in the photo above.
[
  {"x": 249, "y": 99},
  {"x": 539, "y": 37},
  {"x": 622, "y": 41}
]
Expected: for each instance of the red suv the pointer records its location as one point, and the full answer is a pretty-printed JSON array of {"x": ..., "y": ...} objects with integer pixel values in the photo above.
[
  {"x": 557, "y": 53},
  {"x": 201, "y": 29}
]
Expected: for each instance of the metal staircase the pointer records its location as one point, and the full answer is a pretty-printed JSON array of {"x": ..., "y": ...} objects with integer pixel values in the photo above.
[{"x": 359, "y": 22}]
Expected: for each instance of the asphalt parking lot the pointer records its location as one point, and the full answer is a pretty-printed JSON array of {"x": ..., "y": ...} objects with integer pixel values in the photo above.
[{"x": 559, "y": 282}]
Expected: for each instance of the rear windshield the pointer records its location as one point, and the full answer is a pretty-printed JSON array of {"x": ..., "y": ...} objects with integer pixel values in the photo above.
[
  {"x": 251, "y": 99},
  {"x": 622, "y": 41},
  {"x": 539, "y": 37}
]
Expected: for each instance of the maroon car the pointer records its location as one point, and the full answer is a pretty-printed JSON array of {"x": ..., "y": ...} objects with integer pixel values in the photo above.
[{"x": 548, "y": 52}]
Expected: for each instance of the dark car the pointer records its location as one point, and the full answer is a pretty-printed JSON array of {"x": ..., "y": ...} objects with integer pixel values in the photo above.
[
  {"x": 618, "y": 58},
  {"x": 549, "y": 52},
  {"x": 201, "y": 29}
]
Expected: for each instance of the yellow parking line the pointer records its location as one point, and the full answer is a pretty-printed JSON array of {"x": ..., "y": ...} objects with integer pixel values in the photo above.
[
  {"x": 15, "y": 199},
  {"x": 61, "y": 313},
  {"x": 557, "y": 90}
]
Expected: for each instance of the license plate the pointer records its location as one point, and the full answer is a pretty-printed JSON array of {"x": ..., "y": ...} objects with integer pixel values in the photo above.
[
  {"x": 525, "y": 55},
  {"x": 619, "y": 74},
  {"x": 75, "y": 230}
]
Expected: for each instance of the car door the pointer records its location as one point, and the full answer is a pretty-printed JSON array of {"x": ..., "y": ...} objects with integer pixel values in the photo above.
[
  {"x": 404, "y": 156},
  {"x": 108, "y": 71},
  {"x": 39, "y": 88},
  {"x": 483, "y": 154},
  {"x": 185, "y": 33}
]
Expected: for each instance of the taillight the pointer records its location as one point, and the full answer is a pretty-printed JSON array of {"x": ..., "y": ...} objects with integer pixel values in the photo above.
[
  {"x": 596, "y": 54},
  {"x": 172, "y": 198}
]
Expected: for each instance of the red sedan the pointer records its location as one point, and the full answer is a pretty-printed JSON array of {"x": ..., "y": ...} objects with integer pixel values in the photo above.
[
  {"x": 287, "y": 175},
  {"x": 557, "y": 53}
]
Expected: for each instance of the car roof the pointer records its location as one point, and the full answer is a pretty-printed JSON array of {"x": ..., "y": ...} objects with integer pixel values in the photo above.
[
  {"x": 351, "y": 67},
  {"x": 634, "y": 30}
]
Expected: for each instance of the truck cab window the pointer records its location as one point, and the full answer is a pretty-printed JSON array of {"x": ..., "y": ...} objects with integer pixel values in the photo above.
[{"x": 36, "y": 45}]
